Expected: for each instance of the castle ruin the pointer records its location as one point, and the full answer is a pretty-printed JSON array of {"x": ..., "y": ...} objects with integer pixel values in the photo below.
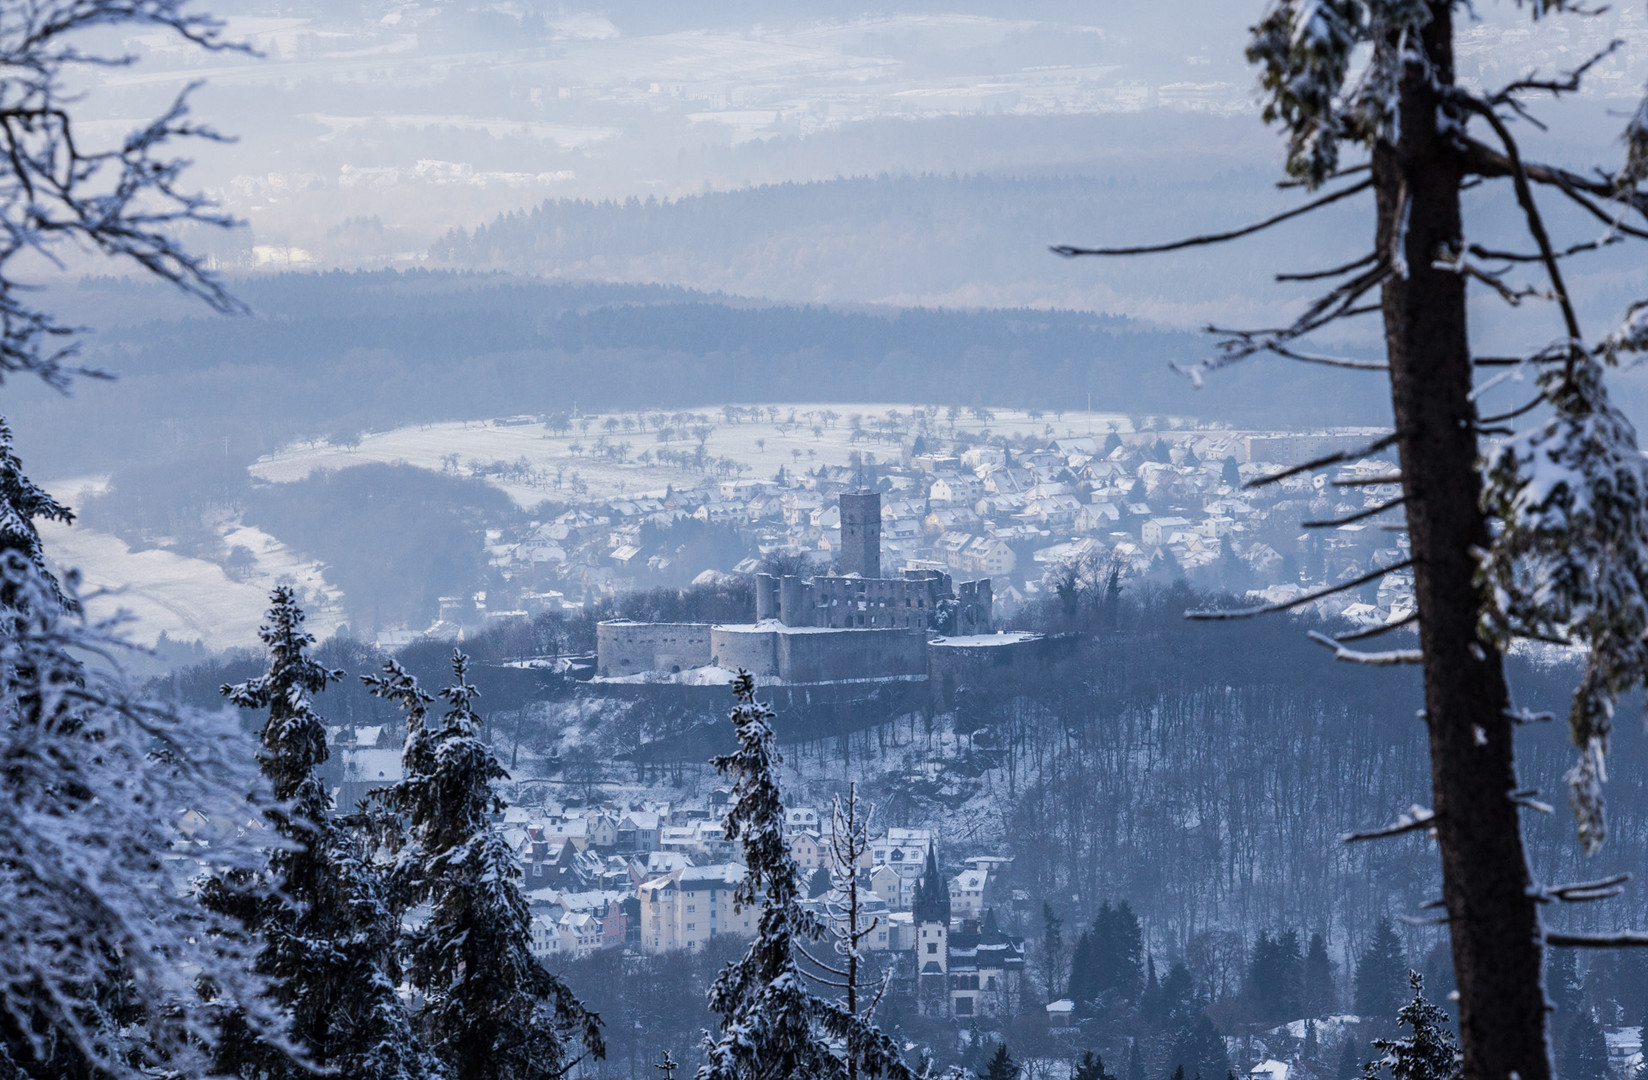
[{"x": 852, "y": 625}]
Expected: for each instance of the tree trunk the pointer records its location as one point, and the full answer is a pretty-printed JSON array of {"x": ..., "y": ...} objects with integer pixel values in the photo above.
[{"x": 1494, "y": 923}]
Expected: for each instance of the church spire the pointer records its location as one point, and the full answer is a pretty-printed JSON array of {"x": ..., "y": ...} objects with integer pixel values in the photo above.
[{"x": 932, "y": 896}]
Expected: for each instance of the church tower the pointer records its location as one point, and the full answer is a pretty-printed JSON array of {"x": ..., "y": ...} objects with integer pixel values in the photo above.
[{"x": 930, "y": 913}]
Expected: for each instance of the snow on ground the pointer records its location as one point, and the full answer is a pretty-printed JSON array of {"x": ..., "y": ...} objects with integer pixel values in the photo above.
[
  {"x": 187, "y": 599},
  {"x": 1000, "y": 637},
  {"x": 761, "y": 445}
]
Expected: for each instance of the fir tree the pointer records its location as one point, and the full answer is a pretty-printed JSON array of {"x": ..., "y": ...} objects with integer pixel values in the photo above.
[
  {"x": 106, "y": 965},
  {"x": 1275, "y": 977},
  {"x": 317, "y": 911},
  {"x": 1428, "y": 1052},
  {"x": 1380, "y": 972},
  {"x": 1178, "y": 994},
  {"x": 109, "y": 972},
  {"x": 1584, "y": 1051},
  {"x": 771, "y": 1025},
  {"x": 1150, "y": 998},
  {"x": 1320, "y": 996},
  {"x": 1200, "y": 1049},
  {"x": 1090, "y": 1067},
  {"x": 490, "y": 1010},
  {"x": 1002, "y": 1066},
  {"x": 1109, "y": 956},
  {"x": 1229, "y": 476}
]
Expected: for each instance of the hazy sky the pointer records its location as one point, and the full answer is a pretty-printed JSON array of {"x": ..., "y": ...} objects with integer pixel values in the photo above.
[{"x": 410, "y": 119}]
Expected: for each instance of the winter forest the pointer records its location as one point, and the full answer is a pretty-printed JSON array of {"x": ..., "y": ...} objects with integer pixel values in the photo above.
[{"x": 954, "y": 540}]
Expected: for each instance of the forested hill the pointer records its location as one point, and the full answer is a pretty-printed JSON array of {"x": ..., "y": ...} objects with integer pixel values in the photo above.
[
  {"x": 919, "y": 239},
  {"x": 340, "y": 352}
]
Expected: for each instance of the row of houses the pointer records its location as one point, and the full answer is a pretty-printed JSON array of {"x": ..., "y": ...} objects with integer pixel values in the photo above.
[{"x": 987, "y": 510}]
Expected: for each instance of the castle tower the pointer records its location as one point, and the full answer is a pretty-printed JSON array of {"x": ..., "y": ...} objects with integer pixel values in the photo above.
[
  {"x": 930, "y": 912},
  {"x": 861, "y": 534}
]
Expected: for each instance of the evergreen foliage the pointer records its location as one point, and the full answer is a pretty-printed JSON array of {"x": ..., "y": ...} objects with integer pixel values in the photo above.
[
  {"x": 1583, "y": 1054},
  {"x": 771, "y": 1024},
  {"x": 1562, "y": 984},
  {"x": 1001, "y": 1066},
  {"x": 1199, "y": 1049},
  {"x": 1052, "y": 952},
  {"x": 1275, "y": 977},
  {"x": 318, "y": 913},
  {"x": 490, "y": 1011},
  {"x": 1109, "y": 956},
  {"x": 1427, "y": 1052},
  {"x": 1090, "y": 1067},
  {"x": 1320, "y": 995},
  {"x": 1380, "y": 972},
  {"x": 108, "y": 971}
]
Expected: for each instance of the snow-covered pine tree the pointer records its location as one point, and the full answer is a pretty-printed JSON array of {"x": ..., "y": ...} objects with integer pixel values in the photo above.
[
  {"x": 106, "y": 956},
  {"x": 772, "y": 1026},
  {"x": 491, "y": 1011},
  {"x": 98, "y": 978},
  {"x": 317, "y": 911},
  {"x": 1427, "y": 1052}
]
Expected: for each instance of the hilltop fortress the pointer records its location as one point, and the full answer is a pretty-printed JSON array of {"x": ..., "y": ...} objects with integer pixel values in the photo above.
[{"x": 827, "y": 628}]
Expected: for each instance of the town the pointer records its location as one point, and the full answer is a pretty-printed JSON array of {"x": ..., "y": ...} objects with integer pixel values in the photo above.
[{"x": 1009, "y": 498}]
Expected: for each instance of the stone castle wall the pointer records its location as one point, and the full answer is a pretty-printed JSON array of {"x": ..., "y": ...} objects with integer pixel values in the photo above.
[
  {"x": 629, "y": 648},
  {"x": 751, "y": 648},
  {"x": 819, "y": 656}
]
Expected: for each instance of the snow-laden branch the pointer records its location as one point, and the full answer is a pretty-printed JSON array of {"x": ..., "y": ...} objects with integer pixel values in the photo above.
[
  {"x": 1338, "y": 456},
  {"x": 1390, "y": 658},
  {"x": 1625, "y": 939},
  {"x": 1570, "y": 560},
  {"x": 1580, "y": 892},
  {"x": 1360, "y": 515},
  {"x": 1417, "y": 818},
  {"x": 1299, "y": 601}
]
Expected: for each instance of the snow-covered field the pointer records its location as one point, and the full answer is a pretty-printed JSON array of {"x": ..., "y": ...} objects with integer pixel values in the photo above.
[
  {"x": 762, "y": 446},
  {"x": 185, "y": 598}
]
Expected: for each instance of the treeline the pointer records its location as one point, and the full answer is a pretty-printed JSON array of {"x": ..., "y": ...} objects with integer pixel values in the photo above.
[{"x": 332, "y": 354}]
